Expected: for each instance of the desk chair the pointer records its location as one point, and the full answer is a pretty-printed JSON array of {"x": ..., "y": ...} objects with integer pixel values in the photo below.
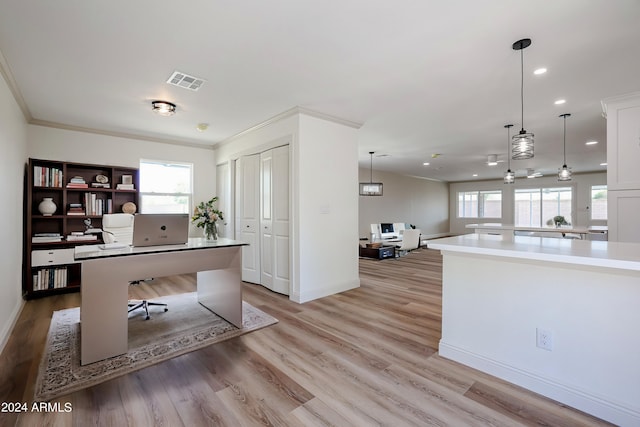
[
  {"x": 118, "y": 228},
  {"x": 410, "y": 241}
]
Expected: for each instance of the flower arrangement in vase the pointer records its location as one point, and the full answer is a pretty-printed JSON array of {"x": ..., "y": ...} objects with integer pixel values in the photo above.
[{"x": 206, "y": 217}]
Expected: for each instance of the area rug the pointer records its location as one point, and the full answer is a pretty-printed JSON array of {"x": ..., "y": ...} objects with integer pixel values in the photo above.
[{"x": 186, "y": 327}]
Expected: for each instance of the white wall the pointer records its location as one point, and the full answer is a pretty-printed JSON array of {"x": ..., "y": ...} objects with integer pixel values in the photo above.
[
  {"x": 327, "y": 194},
  {"x": 421, "y": 202},
  {"x": 83, "y": 147},
  {"x": 324, "y": 174},
  {"x": 582, "y": 189},
  {"x": 13, "y": 145}
]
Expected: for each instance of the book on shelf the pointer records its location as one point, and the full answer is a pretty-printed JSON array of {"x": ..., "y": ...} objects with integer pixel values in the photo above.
[
  {"x": 100, "y": 185},
  {"x": 125, "y": 187},
  {"x": 50, "y": 278},
  {"x": 46, "y": 239},
  {"x": 71, "y": 185},
  {"x": 83, "y": 237},
  {"x": 46, "y": 234},
  {"x": 45, "y": 176}
]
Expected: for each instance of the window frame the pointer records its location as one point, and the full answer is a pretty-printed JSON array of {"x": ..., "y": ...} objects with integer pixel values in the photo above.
[
  {"x": 541, "y": 189},
  {"x": 189, "y": 196},
  {"x": 591, "y": 210},
  {"x": 480, "y": 198}
]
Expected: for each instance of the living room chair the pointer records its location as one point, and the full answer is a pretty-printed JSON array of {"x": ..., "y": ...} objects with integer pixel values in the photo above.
[
  {"x": 118, "y": 229},
  {"x": 410, "y": 241}
]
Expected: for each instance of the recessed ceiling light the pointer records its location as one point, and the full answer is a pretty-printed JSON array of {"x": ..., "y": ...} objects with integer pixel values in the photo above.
[
  {"x": 560, "y": 101},
  {"x": 425, "y": 164},
  {"x": 540, "y": 71},
  {"x": 202, "y": 126},
  {"x": 603, "y": 164},
  {"x": 475, "y": 174},
  {"x": 591, "y": 143}
]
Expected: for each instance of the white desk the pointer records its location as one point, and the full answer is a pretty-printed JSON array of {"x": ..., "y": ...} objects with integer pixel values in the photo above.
[{"x": 106, "y": 275}]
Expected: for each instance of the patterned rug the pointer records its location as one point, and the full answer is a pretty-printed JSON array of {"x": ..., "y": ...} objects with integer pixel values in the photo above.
[{"x": 186, "y": 327}]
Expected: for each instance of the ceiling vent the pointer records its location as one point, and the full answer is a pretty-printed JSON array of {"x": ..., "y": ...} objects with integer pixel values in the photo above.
[{"x": 186, "y": 81}]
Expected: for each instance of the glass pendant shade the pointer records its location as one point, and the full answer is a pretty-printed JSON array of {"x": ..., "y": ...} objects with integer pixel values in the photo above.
[
  {"x": 564, "y": 173},
  {"x": 509, "y": 177},
  {"x": 371, "y": 188},
  {"x": 522, "y": 146}
]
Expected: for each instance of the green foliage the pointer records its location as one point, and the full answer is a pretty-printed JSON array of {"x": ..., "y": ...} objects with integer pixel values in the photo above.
[{"x": 205, "y": 213}]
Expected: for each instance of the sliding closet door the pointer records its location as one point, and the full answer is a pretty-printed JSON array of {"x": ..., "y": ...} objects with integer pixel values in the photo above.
[
  {"x": 280, "y": 221},
  {"x": 274, "y": 219},
  {"x": 248, "y": 215}
]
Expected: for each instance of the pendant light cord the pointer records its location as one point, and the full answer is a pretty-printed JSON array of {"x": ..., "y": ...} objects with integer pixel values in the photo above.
[
  {"x": 564, "y": 141},
  {"x": 522, "y": 88},
  {"x": 371, "y": 168}
]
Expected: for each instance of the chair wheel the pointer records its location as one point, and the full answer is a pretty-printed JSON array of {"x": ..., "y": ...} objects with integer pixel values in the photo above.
[
  {"x": 166, "y": 309},
  {"x": 147, "y": 318}
]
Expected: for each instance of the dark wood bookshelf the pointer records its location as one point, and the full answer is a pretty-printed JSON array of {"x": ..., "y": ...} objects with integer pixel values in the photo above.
[{"x": 49, "y": 179}]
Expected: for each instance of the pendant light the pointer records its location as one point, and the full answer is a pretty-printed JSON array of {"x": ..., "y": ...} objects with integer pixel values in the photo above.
[
  {"x": 564, "y": 173},
  {"x": 509, "y": 177},
  {"x": 522, "y": 143},
  {"x": 371, "y": 188}
]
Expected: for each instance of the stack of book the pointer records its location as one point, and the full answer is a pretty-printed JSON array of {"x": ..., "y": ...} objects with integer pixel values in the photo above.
[
  {"x": 100, "y": 185},
  {"x": 75, "y": 209},
  {"x": 77, "y": 182},
  {"x": 125, "y": 187},
  {"x": 79, "y": 236},
  {"x": 50, "y": 278},
  {"x": 44, "y": 176},
  {"x": 46, "y": 238}
]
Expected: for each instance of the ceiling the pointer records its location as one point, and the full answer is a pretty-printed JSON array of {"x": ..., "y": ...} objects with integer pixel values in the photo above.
[{"x": 422, "y": 77}]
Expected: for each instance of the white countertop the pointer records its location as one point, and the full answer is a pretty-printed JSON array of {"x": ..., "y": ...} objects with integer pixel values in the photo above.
[
  {"x": 617, "y": 255},
  {"x": 561, "y": 229}
]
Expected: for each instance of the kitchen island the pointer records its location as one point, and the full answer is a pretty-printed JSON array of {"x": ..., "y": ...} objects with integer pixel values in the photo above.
[{"x": 560, "y": 317}]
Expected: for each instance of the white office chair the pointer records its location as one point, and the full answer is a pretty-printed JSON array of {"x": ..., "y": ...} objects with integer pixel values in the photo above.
[
  {"x": 118, "y": 229},
  {"x": 410, "y": 241}
]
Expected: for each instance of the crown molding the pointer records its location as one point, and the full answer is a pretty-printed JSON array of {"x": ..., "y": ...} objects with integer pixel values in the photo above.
[
  {"x": 56, "y": 125},
  {"x": 5, "y": 70},
  {"x": 289, "y": 113}
]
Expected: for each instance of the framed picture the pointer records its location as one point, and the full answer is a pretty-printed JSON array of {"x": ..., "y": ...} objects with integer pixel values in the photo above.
[{"x": 127, "y": 179}]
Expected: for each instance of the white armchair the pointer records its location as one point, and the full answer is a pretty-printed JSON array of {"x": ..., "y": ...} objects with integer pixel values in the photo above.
[{"x": 410, "y": 241}]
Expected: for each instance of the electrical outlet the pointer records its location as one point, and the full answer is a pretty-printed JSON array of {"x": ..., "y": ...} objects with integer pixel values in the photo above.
[{"x": 544, "y": 339}]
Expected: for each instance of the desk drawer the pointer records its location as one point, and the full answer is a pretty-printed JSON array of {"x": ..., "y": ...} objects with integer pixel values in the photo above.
[{"x": 52, "y": 257}]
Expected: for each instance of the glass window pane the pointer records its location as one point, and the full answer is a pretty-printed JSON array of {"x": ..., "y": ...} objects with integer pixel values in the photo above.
[
  {"x": 165, "y": 187},
  {"x": 152, "y": 203},
  {"x": 165, "y": 178},
  {"x": 491, "y": 204},
  {"x": 527, "y": 207},
  {"x": 556, "y": 201},
  {"x": 599, "y": 202},
  {"x": 468, "y": 204}
]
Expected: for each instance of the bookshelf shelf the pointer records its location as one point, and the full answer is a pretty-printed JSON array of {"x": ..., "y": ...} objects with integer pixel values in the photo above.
[{"x": 49, "y": 179}]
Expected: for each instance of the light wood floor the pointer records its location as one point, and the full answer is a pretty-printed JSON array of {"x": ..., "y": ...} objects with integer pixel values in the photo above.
[{"x": 366, "y": 357}]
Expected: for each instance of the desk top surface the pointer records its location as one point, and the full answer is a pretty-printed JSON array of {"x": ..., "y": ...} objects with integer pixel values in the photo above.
[{"x": 87, "y": 252}]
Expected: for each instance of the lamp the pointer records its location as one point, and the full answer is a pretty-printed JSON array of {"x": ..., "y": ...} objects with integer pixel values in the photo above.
[
  {"x": 522, "y": 143},
  {"x": 371, "y": 188},
  {"x": 564, "y": 174},
  {"x": 509, "y": 177},
  {"x": 163, "y": 108}
]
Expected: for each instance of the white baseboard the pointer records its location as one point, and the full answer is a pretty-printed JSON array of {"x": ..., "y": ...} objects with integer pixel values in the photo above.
[
  {"x": 302, "y": 297},
  {"x": 8, "y": 327},
  {"x": 595, "y": 405}
]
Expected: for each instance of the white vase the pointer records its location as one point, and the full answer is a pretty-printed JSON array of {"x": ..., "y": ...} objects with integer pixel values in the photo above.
[{"x": 47, "y": 207}]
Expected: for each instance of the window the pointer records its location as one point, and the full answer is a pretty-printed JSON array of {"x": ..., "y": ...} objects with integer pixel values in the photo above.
[
  {"x": 480, "y": 204},
  {"x": 536, "y": 207},
  {"x": 165, "y": 187},
  {"x": 599, "y": 202}
]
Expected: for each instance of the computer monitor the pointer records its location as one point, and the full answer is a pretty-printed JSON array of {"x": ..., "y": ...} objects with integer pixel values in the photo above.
[{"x": 386, "y": 228}]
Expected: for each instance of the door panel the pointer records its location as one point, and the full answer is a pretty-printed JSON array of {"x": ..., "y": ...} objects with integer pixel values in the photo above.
[{"x": 248, "y": 210}]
